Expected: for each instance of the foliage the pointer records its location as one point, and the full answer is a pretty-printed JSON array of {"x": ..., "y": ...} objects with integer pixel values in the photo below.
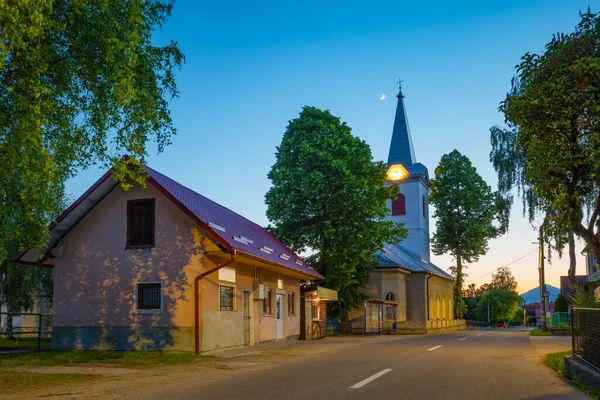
[
  {"x": 328, "y": 197},
  {"x": 582, "y": 298},
  {"x": 503, "y": 279},
  {"x": 469, "y": 291},
  {"x": 470, "y": 303},
  {"x": 561, "y": 304},
  {"x": 483, "y": 289},
  {"x": 468, "y": 215},
  {"x": 556, "y": 360},
  {"x": 550, "y": 149},
  {"x": 80, "y": 83},
  {"x": 503, "y": 305}
]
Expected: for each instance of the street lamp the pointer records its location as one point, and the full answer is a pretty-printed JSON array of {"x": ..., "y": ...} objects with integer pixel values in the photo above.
[{"x": 540, "y": 242}]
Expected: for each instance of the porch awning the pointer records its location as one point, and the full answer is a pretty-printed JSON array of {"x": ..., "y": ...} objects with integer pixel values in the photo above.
[{"x": 326, "y": 294}]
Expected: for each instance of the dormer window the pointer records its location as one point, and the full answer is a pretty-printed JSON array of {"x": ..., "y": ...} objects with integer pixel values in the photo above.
[
  {"x": 140, "y": 223},
  {"x": 399, "y": 205}
]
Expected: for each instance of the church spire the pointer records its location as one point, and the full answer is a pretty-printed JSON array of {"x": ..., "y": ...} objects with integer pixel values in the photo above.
[{"x": 401, "y": 147}]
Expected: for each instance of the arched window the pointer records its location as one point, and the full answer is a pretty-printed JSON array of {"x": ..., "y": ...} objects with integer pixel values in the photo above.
[
  {"x": 399, "y": 205},
  {"x": 390, "y": 296},
  {"x": 424, "y": 208}
]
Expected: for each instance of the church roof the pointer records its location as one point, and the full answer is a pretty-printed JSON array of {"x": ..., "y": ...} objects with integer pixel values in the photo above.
[
  {"x": 399, "y": 257},
  {"x": 401, "y": 148}
]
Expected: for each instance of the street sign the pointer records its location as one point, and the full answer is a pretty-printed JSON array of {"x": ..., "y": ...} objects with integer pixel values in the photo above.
[{"x": 546, "y": 294}]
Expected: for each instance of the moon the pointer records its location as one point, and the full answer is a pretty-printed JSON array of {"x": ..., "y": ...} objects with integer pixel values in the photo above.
[{"x": 382, "y": 97}]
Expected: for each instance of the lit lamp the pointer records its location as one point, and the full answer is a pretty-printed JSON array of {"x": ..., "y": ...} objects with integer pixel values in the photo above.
[{"x": 396, "y": 172}]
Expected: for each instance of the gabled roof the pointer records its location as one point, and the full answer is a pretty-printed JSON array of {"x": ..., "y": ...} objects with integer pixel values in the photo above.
[
  {"x": 229, "y": 229},
  {"x": 401, "y": 147},
  {"x": 399, "y": 257}
]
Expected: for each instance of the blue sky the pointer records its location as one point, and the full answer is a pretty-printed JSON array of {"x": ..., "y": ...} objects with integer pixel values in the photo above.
[{"x": 251, "y": 67}]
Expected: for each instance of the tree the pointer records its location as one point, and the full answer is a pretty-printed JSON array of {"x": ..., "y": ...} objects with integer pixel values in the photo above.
[
  {"x": 468, "y": 215},
  {"x": 503, "y": 279},
  {"x": 329, "y": 198},
  {"x": 503, "y": 304},
  {"x": 561, "y": 304},
  {"x": 470, "y": 291},
  {"x": 550, "y": 149},
  {"x": 80, "y": 83}
]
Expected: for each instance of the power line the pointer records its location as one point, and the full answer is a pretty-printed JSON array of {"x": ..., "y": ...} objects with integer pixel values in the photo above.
[{"x": 512, "y": 262}]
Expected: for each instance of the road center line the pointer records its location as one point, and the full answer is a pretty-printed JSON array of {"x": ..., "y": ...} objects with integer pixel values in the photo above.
[
  {"x": 463, "y": 338},
  {"x": 370, "y": 379},
  {"x": 479, "y": 334},
  {"x": 433, "y": 348}
]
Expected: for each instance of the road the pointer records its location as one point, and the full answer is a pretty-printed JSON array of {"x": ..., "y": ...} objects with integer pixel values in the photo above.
[
  {"x": 461, "y": 365},
  {"x": 498, "y": 364}
]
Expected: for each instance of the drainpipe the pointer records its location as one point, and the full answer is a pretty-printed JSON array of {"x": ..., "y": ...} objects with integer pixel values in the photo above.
[
  {"x": 428, "y": 305},
  {"x": 197, "y": 295}
]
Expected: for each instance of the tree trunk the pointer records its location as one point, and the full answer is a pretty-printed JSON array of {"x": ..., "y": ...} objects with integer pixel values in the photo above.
[
  {"x": 572, "y": 258},
  {"x": 458, "y": 289}
]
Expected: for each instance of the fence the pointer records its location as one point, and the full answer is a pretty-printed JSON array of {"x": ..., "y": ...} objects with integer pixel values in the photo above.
[
  {"x": 585, "y": 325},
  {"x": 559, "y": 320},
  {"x": 25, "y": 330}
]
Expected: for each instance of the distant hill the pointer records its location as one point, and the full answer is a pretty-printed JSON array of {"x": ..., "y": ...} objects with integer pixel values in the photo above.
[{"x": 533, "y": 295}]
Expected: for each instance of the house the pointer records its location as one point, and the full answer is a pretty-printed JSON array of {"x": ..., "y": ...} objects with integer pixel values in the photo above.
[
  {"x": 165, "y": 268},
  {"x": 407, "y": 292}
]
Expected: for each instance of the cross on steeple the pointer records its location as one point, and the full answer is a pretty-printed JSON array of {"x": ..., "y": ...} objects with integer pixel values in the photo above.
[{"x": 399, "y": 83}]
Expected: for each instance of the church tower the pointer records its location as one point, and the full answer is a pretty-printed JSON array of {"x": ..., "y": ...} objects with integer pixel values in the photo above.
[{"x": 412, "y": 204}]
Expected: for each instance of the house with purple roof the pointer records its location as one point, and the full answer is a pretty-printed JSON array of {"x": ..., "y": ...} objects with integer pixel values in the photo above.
[{"x": 165, "y": 268}]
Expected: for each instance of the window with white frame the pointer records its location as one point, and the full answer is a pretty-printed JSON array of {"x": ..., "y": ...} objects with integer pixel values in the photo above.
[
  {"x": 292, "y": 303},
  {"x": 149, "y": 297},
  {"x": 314, "y": 311},
  {"x": 226, "y": 296}
]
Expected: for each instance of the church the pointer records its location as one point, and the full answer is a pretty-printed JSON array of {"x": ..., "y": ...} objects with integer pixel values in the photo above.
[{"x": 407, "y": 292}]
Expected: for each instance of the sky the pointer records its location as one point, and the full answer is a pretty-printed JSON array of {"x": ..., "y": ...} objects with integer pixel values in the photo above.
[{"x": 252, "y": 66}]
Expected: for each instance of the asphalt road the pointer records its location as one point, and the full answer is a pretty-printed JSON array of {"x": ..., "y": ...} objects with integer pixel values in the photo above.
[{"x": 461, "y": 365}]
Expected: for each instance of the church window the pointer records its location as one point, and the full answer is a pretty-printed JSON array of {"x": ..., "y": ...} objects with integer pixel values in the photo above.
[
  {"x": 424, "y": 207},
  {"x": 390, "y": 296},
  {"x": 399, "y": 205}
]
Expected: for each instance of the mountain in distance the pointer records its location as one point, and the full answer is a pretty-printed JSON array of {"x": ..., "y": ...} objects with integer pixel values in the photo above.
[{"x": 533, "y": 295}]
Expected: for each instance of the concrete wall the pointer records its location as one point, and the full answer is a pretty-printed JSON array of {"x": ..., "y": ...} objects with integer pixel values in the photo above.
[
  {"x": 440, "y": 298},
  {"x": 95, "y": 276}
]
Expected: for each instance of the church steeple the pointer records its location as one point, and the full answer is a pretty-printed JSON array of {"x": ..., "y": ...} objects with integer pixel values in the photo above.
[{"x": 401, "y": 148}]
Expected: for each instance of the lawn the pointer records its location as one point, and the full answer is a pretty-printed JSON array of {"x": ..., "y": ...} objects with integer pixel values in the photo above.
[
  {"x": 23, "y": 342},
  {"x": 12, "y": 381},
  {"x": 105, "y": 358},
  {"x": 538, "y": 332},
  {"x": 556, "y": 360}
]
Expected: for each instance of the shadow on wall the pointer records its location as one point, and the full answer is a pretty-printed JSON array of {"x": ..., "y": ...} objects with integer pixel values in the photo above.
[{"x": 96, "y": 280}]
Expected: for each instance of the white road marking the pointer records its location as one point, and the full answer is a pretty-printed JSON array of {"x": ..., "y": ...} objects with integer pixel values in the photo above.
[
  {"x": 463, "y": 338},
  {"x": 480, "y": 334},
  {"x": 433, "y": 348},
  {"x": 370, "y": 379}
]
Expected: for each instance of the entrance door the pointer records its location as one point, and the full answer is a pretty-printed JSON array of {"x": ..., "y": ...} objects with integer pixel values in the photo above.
[
  {"x": 279, "y": 316},
  {"x": 246, "y": 307}
]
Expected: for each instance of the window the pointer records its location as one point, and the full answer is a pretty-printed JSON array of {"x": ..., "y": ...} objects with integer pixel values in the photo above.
[
  {"x": 390, "y": 296},
  {"x": 291, "y": 303},
  {"x": 226, "y": 295},
  {"x": 140, "y": 223},
  {"x": 424, "y": 208},
  {"x": 267, "y": 302},
  {"x": 314, "y": 311},
  {"x": 149, "y": 297},
  {"x": 399, "y": 205}
]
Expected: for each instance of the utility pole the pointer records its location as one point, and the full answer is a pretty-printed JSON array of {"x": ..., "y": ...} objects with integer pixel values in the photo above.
[{"x": 542, "y": 279}]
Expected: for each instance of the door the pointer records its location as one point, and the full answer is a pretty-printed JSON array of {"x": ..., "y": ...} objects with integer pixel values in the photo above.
[
  {"x": 278, "y": 306},
  {"x": 246, "y": 308}
]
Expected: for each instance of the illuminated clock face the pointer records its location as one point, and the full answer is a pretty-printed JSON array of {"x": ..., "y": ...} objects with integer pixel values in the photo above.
[{"x": 396, "y": 172}]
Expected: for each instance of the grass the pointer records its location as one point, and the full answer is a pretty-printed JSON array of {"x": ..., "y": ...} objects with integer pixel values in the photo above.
[
  {"x": 23, "y": 342},
  {"x": 16, "y": 380},
  {"x": 556, "y": 362},
  {"x": 538, "y": 332},
  {"x": 105, "y": 358}
]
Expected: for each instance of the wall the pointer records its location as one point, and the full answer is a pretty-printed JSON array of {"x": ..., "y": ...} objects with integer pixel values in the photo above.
[
  {"x": 440, "y": 298},
  {"x": 386, "y": 280}
]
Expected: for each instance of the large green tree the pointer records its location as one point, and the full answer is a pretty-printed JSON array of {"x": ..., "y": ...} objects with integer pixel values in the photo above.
[
  {"x": 503, "y": 304},
  {"x": 550, "y": 149},
  {"x": 328, "y": 198},
  {"x": 503, "y": 279},
  {"x": 468, "y": 215},
  {"x": 81, "y": 82}
]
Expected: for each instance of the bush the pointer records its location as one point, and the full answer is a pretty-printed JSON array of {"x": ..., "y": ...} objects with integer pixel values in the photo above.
[{"x": 561, "y": 304}]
